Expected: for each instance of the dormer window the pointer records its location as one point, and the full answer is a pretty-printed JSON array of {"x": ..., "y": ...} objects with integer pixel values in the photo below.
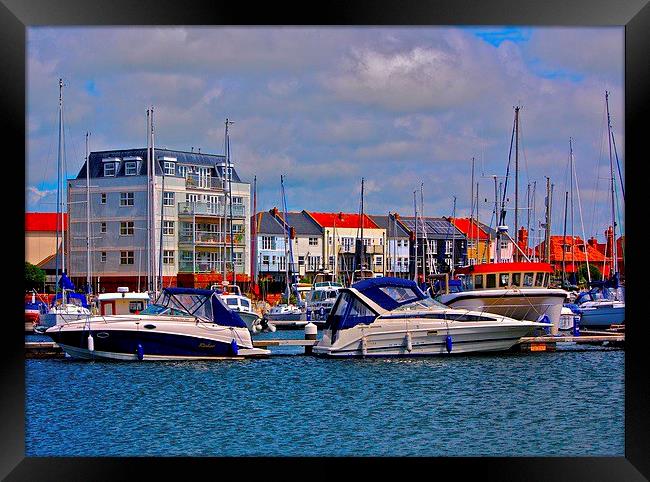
[
  {"x": 109, "y": 169},
  {"x": 169, "y": 168},
  {"x": 130, "y": 168}
]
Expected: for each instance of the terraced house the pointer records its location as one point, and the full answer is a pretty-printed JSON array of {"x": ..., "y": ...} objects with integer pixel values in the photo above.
[{"x": 193, "y": 220}]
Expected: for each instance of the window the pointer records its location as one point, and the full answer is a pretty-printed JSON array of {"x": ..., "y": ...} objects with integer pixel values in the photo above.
[
  {"x": 126, "y": 199},
  {"x": 102, "y": 257},
  {"x": 136, "y": 306},
  {"x": 528, "y": 279},
  {"x": 313, "y": 241},
  {"x": 434, "y": 247},
  {"x": 126, "y": 257},
  {"x": 103, "y": 198},
  {"x": 448, "y": 247},
  {"x": 567, "y": 248},
  {"x": 378, "y": 261},
  {"x": 182, "y": 171},
  {"x": 237, "y": 228},
  {"x": 168, "y": 228},
  {"x": 400, "y": 294},
  {"x": 237, "y": 258},
  {"x": 504, "y": 280},
  {"x": 169, "y": 168},
  {"x": 268, "y": 242},
  {"x": 238, "y": 200},
  {"x": 102, "y": 228},
  {"x": 516, "y": 279},
  {"x": 130, "y": 168},
  {"x": 329, "y": 240},
  {"x": 301, "y": 260},
  {"x": 168, "y": 198},
  {"x": 109, "y": 169},
  {"x": 478, "y": 281},
  {"x": 471, "y": 244},
  {"x": 168, "y": 256},
  {"x": 126, "y": 228},
  {"x": 313, "y": 262},
  {"x": 347, "y": 243},
  {"x": 505, "y": 244},
  {"x": 538, "y": 279},
  {"x": 491, "y": 281},
  {"x": 265, "y": 259},
  {"x": 281, "y": 262}
]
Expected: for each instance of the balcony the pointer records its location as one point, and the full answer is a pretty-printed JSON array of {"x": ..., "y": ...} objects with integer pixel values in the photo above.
[
  {"x": 195, "y": 181},
  {"x": 211, "y": 238},
  {"x": 185, "y": 266},
  {"x": 210, "y": 209}
]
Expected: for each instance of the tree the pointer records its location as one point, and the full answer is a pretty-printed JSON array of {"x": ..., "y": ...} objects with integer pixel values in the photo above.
[
  {"x": 34, "y": 276},
  {"x": 596, "y": 274}
]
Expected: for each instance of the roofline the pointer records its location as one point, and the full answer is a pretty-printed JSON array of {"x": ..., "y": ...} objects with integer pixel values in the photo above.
[{"x": 159, "y": 149}]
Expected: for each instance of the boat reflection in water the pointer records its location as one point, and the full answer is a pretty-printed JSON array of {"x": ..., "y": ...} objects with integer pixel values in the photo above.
[
  {"x": 183, "y": 324},
  {"x": 393, "y": 317}
]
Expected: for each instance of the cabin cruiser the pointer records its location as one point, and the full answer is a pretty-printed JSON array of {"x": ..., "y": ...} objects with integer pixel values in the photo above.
[
  {"x": 602, "y": 306},
  {"x": 183, "y": 324},
  {"x": 287, "y": 315},
  {"x": 518, "y": 290},
  {"x": 122, "y": 302},
  {"x": 232, "y": 296},
  {"x": 392, "y": 317},
  {"x": 34, "y": 310},
  {"x": 321, "y": 300}
]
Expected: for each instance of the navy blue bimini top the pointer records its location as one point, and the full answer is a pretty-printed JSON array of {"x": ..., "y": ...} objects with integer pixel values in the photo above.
[{"x": 221, "y": 314}]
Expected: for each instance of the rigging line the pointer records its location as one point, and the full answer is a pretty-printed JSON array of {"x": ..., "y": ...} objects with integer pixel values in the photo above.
[
  {"x": 523, "y": 149},
  {"x": 618, "y": 164},
  {"x": 600, "y": 159},
  {"x": 47, "y": 161}
]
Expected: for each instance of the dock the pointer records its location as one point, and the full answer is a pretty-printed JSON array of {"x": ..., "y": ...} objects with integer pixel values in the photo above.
[{"x": 49, "y": 349}]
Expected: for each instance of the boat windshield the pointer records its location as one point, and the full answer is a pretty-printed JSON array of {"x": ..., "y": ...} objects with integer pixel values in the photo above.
[
  {"x": 184, "y": 304},
  {"x": 162, "y": 310},
  {"x": 424, "y": 304}
]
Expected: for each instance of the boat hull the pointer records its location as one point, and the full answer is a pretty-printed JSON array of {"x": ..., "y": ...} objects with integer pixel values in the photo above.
[
  {"x": 53, "y": 319},
  {"x": 287, "y": 321},
  {"x": 426, "y": 339},
  {"x": 518, "y": 304},
  {"x": 602, "y": 316},
  {"x": 152, "y": 339}
]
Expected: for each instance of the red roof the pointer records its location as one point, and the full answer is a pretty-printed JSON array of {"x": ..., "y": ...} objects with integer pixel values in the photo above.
[
  {"x": 465, "y": 226},
  {"x": 505, "y": 267},
  {"x": 576, "y": 254},
  {"x": 342, "y": 220},
  {"x": 44, "y": 221}
]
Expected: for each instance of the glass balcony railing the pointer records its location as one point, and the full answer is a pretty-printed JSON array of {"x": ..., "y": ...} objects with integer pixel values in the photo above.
[
  {"x": 195, "y": 181},
  {"x": 209, "y": 209},
  {"x": 185, "y": 266},
  {"x": 203, "y": 237}
]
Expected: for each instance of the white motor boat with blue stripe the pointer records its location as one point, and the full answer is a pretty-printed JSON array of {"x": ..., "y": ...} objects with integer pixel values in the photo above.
[
  {"x": 393, "y": 317},
  {"x": 183, "y": 324}
]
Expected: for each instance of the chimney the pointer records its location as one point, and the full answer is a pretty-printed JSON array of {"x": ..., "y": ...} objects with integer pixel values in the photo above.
[
  {"x": 341, "y": 215},
  {"x": 274, "y": 212},
  {"x": 609, "y": 236},
  {"x": 593, "y": 242},
  {"x": 522, "y": 238}
]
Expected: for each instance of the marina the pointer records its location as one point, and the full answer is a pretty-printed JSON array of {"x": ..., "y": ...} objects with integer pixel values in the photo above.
[{"x": 364, "y": 274}]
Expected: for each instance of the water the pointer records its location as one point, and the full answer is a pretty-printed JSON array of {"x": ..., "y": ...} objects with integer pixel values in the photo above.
[{"x": 568, "y": 403}]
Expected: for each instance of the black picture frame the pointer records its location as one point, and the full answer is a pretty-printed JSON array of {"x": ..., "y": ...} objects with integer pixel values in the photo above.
[{"x": 634, "y": 15}]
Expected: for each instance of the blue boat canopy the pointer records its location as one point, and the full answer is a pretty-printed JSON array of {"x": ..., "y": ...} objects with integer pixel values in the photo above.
[
  {"x": 202, "y": 303},
  {"x": 390, "y": 293},
  {"x": 71, "y": 296}
]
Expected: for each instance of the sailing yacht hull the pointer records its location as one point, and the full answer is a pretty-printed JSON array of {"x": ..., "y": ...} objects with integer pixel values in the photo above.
[
  {"x": 60, "y": 318},
  {"x": 603, "y": 315}
]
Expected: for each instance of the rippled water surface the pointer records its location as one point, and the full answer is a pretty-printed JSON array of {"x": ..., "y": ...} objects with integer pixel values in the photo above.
[{"x": 564, "y": 403}]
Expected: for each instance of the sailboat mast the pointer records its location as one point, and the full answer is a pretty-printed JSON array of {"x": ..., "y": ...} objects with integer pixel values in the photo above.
[
  {"x": 363, "y": 251},
  {"x": 415, "y": 244},
  {"x": 62, "y": 176},
  {"x": 573, "y": 264},
  {"x": 149, "y": 174},
  {"x": 229, "y": 174},
  {"x": 153, "y": 208},
  {"x": 564, "y": 243},
  {"x": 286, "y": 243},
  {"x": 611, "y": 167},
  {"x": 59, "y": 215},
  {"x": 88, "y": 277},
  {"x": 254, "y": 234},
  {"x": 453, "y": 240},
  {"x": 478, "y": 254},
  {"x": 516, "y": 227}
]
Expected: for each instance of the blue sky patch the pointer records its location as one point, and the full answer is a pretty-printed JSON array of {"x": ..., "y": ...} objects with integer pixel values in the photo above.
[{"x": 495, "y": 36}]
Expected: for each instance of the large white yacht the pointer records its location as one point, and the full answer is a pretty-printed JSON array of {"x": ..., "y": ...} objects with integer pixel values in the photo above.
[
  {"x": 183, "y": 324},
  {"x": 393, "y": 317}
]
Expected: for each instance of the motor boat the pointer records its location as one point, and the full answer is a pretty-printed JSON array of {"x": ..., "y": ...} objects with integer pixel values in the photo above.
[
  {"x": 517, "y": 290},
  {"x": 123, "y": 302},
  {"x": 288, "y": 315},
  {"x": 183, "y": 324},
  {"x": 320, "y": 301},
  {"x": 34, "y": 310},
  {"x": 387, "y": 316},
  {"x": 232, "y": 296},
  {"x": 602, "y": 306},
  {"x": 570, "y": 318}
]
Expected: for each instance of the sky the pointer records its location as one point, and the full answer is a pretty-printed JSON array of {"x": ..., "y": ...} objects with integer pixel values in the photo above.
[{"x": 405, "y": 108}]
